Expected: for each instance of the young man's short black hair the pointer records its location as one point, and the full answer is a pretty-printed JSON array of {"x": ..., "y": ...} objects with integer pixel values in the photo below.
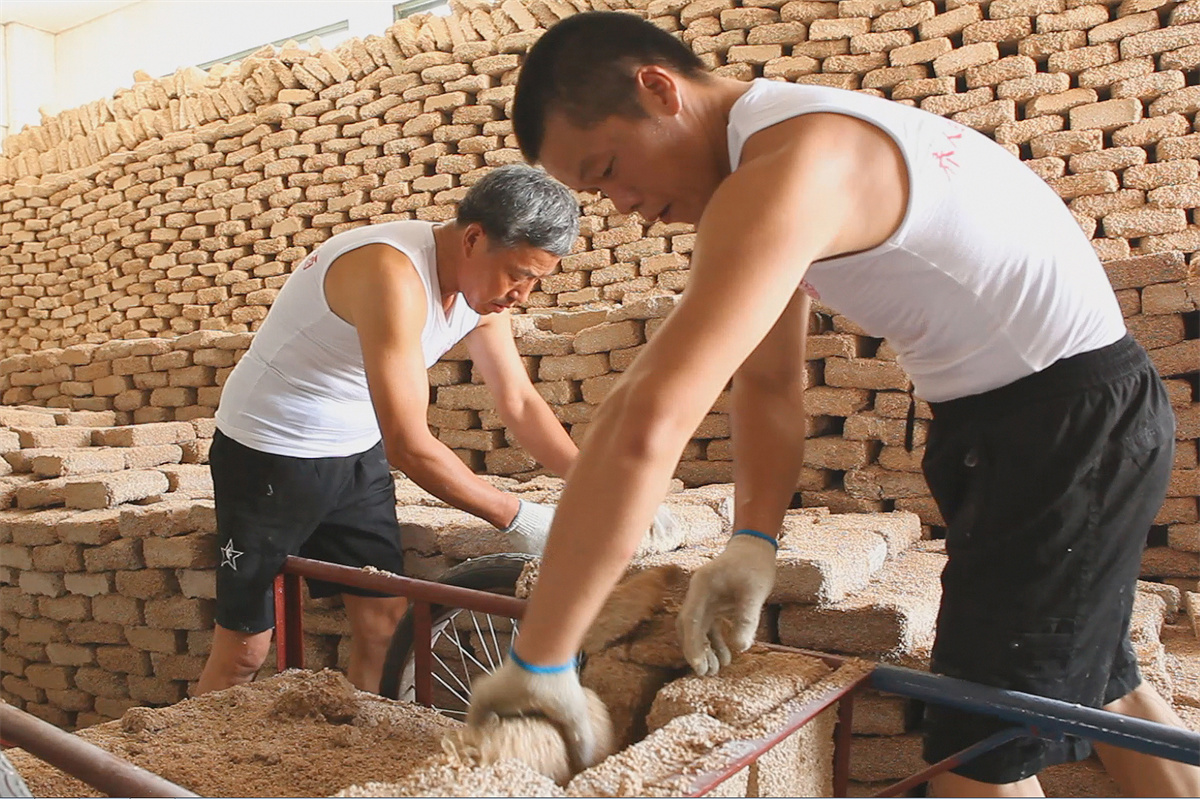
[{"x": 583, "y": 68}]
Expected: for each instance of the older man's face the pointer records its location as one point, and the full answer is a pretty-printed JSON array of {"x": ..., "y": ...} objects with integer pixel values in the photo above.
[{"x": 498, "y": 278}]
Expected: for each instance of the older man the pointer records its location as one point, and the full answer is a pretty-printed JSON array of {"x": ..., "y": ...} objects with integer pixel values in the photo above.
[
  {"x": 334, "y": 389},
  {"x": 1051, "y": 444}
]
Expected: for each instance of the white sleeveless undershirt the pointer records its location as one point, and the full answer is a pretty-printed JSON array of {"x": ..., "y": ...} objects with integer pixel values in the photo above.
[
  {"x": 301, "y": 389},
  {"x": 987, "y": 280}
]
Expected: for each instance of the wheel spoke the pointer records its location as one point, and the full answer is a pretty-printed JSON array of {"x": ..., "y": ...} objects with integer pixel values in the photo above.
[
  {"x": 475, "y": 660},
  {"x": 495, "y": 640},
  {"x": 449, "y": 687},
  {"x": 463, "y": 654},
  {"x": 465, "y": 688},
  {"x": 454, "y": 673},
  {"x": 482, "y": 642}
]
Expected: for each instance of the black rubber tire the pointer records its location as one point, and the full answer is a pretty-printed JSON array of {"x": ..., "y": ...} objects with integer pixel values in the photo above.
[{"x": 496, "y": 574}]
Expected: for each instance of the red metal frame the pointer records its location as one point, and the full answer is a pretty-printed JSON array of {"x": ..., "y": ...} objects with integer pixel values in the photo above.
[
  {"x": 705, "y": 783},
  {"x": 423, "y": 653},
  {"x": 422, "y": 594},
  {"x": 289, "y": 622},
  {"x": 80, "y": 759},
  {"x": 100, "y": 769}
]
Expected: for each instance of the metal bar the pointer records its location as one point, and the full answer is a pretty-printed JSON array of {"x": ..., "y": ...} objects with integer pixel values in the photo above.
[
  {"x": 423, "y": 653},
  {"x": 707, "y": 782},
  {"x": 294, "y": 602},
  {"x": 841, "y": 745},
  {"x": 989, "y": 743},
  {"x": 82, "y": 760},
  {"x": 1047, "y": 715},
  {"x": 833, "y": 661},
  {"x": 282, "y": 639},
  {"x": 289, "y": 622},
  {"x": 396, "y": 585}
]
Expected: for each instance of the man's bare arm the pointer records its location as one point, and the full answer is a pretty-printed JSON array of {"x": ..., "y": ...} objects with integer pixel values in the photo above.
[
  {"x": 768, "y": 422},
  {"x": 387, "y": 305},
  {"x": 763, "y": 227},
  {"x": 521, "y": 408}
]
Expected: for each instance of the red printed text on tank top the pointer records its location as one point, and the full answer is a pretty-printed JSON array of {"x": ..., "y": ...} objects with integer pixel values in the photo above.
[{"x": 947, "y": 154}]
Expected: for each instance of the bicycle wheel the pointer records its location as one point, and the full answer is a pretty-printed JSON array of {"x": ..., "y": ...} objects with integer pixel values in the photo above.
[{"x": 466, "y": 644}]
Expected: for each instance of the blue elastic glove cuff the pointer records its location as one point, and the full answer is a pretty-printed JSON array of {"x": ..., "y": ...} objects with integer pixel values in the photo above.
[
  {"x": 757, "y": 534},
  {"x": 532, "y": 669}
]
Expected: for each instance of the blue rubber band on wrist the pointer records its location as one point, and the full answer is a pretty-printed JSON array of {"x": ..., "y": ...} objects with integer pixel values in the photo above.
[
  {"x": 529, "y": 667},
  {"x": 757, "y": 534}
]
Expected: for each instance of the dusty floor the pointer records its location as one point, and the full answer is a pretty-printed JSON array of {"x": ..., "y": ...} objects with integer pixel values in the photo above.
[{"x": 297, "y": 734}]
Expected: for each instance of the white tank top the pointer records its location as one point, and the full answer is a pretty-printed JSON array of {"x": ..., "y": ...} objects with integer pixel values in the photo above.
[
  {"x": 988, "y": 279},
  {"x": 301, "y": 389}
]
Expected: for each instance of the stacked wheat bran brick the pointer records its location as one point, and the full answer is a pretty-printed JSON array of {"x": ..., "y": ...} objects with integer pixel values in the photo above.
[
  {"x": 179, "y": 206},
  {"x": 855, "y": 458},
  {"x": 107, "y": 550},
  {"x": 107, "y": 543}
]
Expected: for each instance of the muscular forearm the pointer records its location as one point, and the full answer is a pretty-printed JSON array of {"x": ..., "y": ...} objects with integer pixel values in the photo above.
[
  {"x": 539, "y": 431},
  {"x": 768, "y": 432},
  {"x": 433, "y": 467}
]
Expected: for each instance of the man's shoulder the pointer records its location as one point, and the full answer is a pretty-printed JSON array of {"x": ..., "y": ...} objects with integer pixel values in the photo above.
[{"x": 373, "y": 274}]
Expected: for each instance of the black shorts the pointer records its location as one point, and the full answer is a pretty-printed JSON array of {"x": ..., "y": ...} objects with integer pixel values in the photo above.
[
  {"x": 1049, "y": 487},
  {"x": 341, "y": 510}
]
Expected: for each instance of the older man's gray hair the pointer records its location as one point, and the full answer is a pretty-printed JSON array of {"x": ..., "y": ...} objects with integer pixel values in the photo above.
[{"x": 518, "y": 204}]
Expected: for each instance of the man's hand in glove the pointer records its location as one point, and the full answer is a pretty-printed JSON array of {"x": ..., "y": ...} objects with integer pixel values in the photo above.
[
  {"x": 530, "y": 528},
  {"x": 518, "y": 688},
  {"x": 720, "y": 613}
]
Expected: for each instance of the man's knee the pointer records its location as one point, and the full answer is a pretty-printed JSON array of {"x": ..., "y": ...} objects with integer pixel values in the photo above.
[
  {"x": 238, "y": 655},
  {"x": 1144, "y": 695}
]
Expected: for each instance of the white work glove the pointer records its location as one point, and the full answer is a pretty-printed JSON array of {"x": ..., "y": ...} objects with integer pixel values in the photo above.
[
  {"x": 720, "y": 613},
  {"x": 664, "y": 535},
  {"x": 530, "y": 528},
  {"x": 554, "y": 694}
]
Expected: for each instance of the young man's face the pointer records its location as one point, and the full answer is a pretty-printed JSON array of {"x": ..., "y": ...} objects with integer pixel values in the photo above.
[
  {"x": 659, "y": 165},
  {"x": 497, "y": 278}
]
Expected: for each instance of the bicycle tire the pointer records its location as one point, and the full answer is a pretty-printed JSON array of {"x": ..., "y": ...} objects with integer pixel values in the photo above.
[{"x": 497, "y": 574}]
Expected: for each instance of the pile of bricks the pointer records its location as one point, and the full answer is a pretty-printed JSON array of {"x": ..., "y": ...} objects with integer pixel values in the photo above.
[
  {"x": 183, "y": 202},
  {"x": 107, "y": 584},
  {"x": 181, "y": 205},
  {"x": 855, "y": 459},
  {"x": 133, "y": 381},
  {"x": 107, "y": 549},
  {"x": 867, "y": 586}
]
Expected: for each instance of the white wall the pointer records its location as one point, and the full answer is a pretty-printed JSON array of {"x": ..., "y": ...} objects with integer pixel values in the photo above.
[
  {"x": 28, "y": 75},
  {"x": 94, "y": 59},
  {"x": 3, "y": 84}
]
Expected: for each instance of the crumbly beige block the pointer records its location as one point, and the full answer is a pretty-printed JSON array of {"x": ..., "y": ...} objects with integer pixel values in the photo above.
[
  {"x": 892, "y": 617},
  {"x": 114, "y": 489},
  {"x": 755, "y": 683}
]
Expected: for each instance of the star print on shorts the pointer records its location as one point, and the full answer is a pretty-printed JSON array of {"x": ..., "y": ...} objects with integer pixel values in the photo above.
[{"x": 229, "y": 555}]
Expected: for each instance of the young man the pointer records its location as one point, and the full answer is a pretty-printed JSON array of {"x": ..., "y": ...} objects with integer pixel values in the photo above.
[
  {"x": 1052, "y": 437},
  {"x": 334, "y": 389}
]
